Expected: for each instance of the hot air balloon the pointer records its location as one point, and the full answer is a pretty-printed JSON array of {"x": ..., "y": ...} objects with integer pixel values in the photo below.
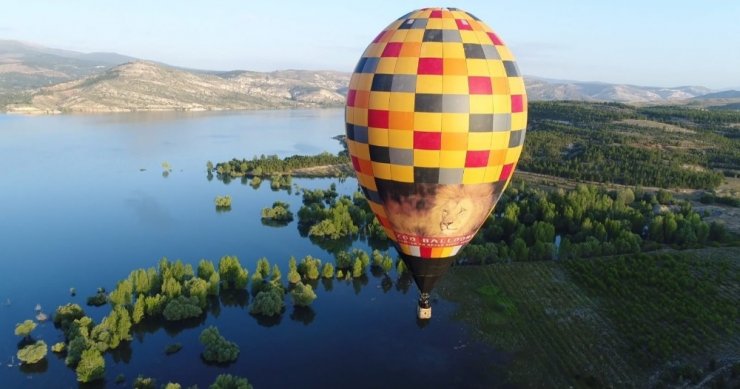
[{"x": 436, "y": 114}]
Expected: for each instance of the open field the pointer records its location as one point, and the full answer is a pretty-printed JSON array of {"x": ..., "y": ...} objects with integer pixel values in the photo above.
[{"x": 563, "y": 331}]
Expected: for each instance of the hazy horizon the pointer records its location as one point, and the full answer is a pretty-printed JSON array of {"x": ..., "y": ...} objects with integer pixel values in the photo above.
[{"x": 655, "y": 44}]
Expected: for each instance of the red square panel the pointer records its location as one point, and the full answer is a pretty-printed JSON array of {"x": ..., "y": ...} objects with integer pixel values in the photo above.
[
  {"x": 436, "y": 14},
  {"x": 479, "y": 85},
  {"x": 425, "y": 252},
  {"x": 463, "y": 24},
  {"x": 430, "y": 66},
  {"x": 517, "y": 103},
  {"x": 377, "y": 118},
  {"x": 427, "y": 140},
  {"x": 495, "y": 39},
  {"x": 351, "y": 97},
  {"x": 392, "y": 49},
  {"x": 477, "y": 158},
  {"x": 506, "y": 172},
  {"x": 356, "y": 163}
]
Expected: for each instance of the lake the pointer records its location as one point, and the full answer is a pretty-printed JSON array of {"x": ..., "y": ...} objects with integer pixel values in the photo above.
[{"x": 83, "y": 201}]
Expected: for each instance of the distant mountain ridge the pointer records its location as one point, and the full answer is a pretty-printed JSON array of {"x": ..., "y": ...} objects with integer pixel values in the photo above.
[{"x": 36, "y": 79}]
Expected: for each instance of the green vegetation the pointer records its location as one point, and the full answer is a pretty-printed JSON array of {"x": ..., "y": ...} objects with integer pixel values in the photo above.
[
  {"x": 24, "y": 329},
  {"x": 265, "y": 166},
  {"x": 91, "y": 366},
  {"x": 278, "y": 214},
  {"x": 268, "y": 302},
  {"x": 590, "y": 222},
  {"x": 228, "y": 381},
  {"x": 98, "y": 299},
  {"x": 217, "y": 348},
  {"x": 232, "y": 274},
  {"x": 173, "y": 348},
  {"x": 223, "y": 202},
  {"x": 142, "y": 382},
  {"x": 58, "y": 347},
  {"x": 33, "y": 353},
  {"x": 711, "y": 198},
  {"x": 302, "y": 294},
  {"x": 608, "y": 142},
  {"x": 181, "y": 307}
]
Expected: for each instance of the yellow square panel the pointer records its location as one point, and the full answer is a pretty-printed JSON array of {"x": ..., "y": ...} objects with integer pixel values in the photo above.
[
  {"x": 483, "y": 38},
  {"x": 481, "y": 140},
  {"x": 501, "y": 104},
  {"x": 453, "y": 50},
  {"x": 400, "y": 120},
  {"x": 516, "y": 85},
  {"x": 379, "y": 100},
  {"x": 401, "y": 139},
  {"x": 399, "y": 35},
  {"x": 435, "y": 23},
  {"x": 407, "y": 65},
  {"x": 504, "y": 53},
  {"x": 395, "y": 25},
  {"x": 377, "y": 136},
  {"x": 452, "y": 159},
  {"x": 460, "y": 15},
  {"x": 431, "y": 50},
  {"x": 367, "y": 181},
  {"x": 455, "y": 122},
  {"x": 496, "y": 68},
  {"x": 402, "y": 101},
  {"x": 478, "y": 67},
  {"x": 513, "y": 154},
  {"x": 449, "y": 24},
  {"x": 426, "y": 158},
  {"x": 349, "y": 115},
  {"x": 421, "y": 14},
  {"x": 362, "y": 151},
  {"x": 374, "y": 50},
  {"x": 518, "y": 121},
  {"x": 473, "y": 175},
  {"x": 415, "y": 35},
  {"x": 386, "y": 65},
  {"x": 455, "y": 84},
  {"x": 481, "y": 104},
  {"x": 429, "y": 84},
  {"x": 360, "y": 116},
  {"x": 351, "y": 147},
  {"x": 382, "y": 170},
  {"x": 455, "y": 66},
  {"x": 469, "y": 37},
  {"x": 365, "y": 81},
  {"x": 427, "y": 121},
  {"x": 454, "y": 141},
  {"x": 353, "y": 81},
  {"x": 478, "y": 25},
  {"x": 493, "y": 173},
  {"x": 501, "y": 85},
  {"x": 402, "y": 173},
  {"x": 410, "y": 49},
  {"x": 500, "y": 141}
]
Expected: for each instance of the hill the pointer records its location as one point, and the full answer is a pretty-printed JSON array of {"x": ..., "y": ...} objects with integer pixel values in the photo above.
[
  {"x": 545, "y": 89},
  {"x": 148, "y": 86}
]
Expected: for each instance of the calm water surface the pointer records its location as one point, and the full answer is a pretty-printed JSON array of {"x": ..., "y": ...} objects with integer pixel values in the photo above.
[{"x": 83, "y": 202}]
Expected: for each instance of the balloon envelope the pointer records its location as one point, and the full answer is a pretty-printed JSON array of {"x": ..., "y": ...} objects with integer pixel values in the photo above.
[{"x": 436, "y": 116}]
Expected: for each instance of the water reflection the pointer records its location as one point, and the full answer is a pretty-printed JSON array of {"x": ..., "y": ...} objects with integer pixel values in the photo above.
[{"x": 304, "y": 315}]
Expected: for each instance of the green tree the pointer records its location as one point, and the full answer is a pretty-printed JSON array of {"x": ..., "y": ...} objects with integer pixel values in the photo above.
[
  {"x": 33, "y": 353},
  {"x": 58, "y": 347},
  {"x": 217, "y": 348},
  {"x": 24, "y": 329},
  {"x": 232, "y": 274},
  {"x": 66, "y": 314},
  {"x": 154, "y": 304},
  {"x": 171, "y": 287},
  {"x": 357, "y": 269},
  {"x": 302, "y": 295},
  {"x": 327, "y": 271},
  {"x": 205, "y": 269},
  {"x": 263, "y": 268},
  {"x": 139, "y": 309},
  {"x": 142, "y": 382},
  {"x": 228, "y": 381},
  {"x": 91, "y": 366},
  {"x": 268, "y": 302},
  {"x": 276, "y": 276},
  {"x": 182, "y": 307},
  {"x": 197, "y": 287},
  {"x": 293, "y": 276}
]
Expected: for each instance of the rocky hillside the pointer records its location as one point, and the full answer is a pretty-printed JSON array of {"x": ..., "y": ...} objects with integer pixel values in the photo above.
[
  {"x": 147, "y": 86},
  {"x": 542, "y": 89}
]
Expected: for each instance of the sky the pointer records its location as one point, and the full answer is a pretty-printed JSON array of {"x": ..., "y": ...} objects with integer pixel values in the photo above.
[{"x": 645, "y": 42}]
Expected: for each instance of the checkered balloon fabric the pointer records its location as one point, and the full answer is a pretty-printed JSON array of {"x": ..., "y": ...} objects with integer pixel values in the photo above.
[{"x": 436, "y": 115}]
